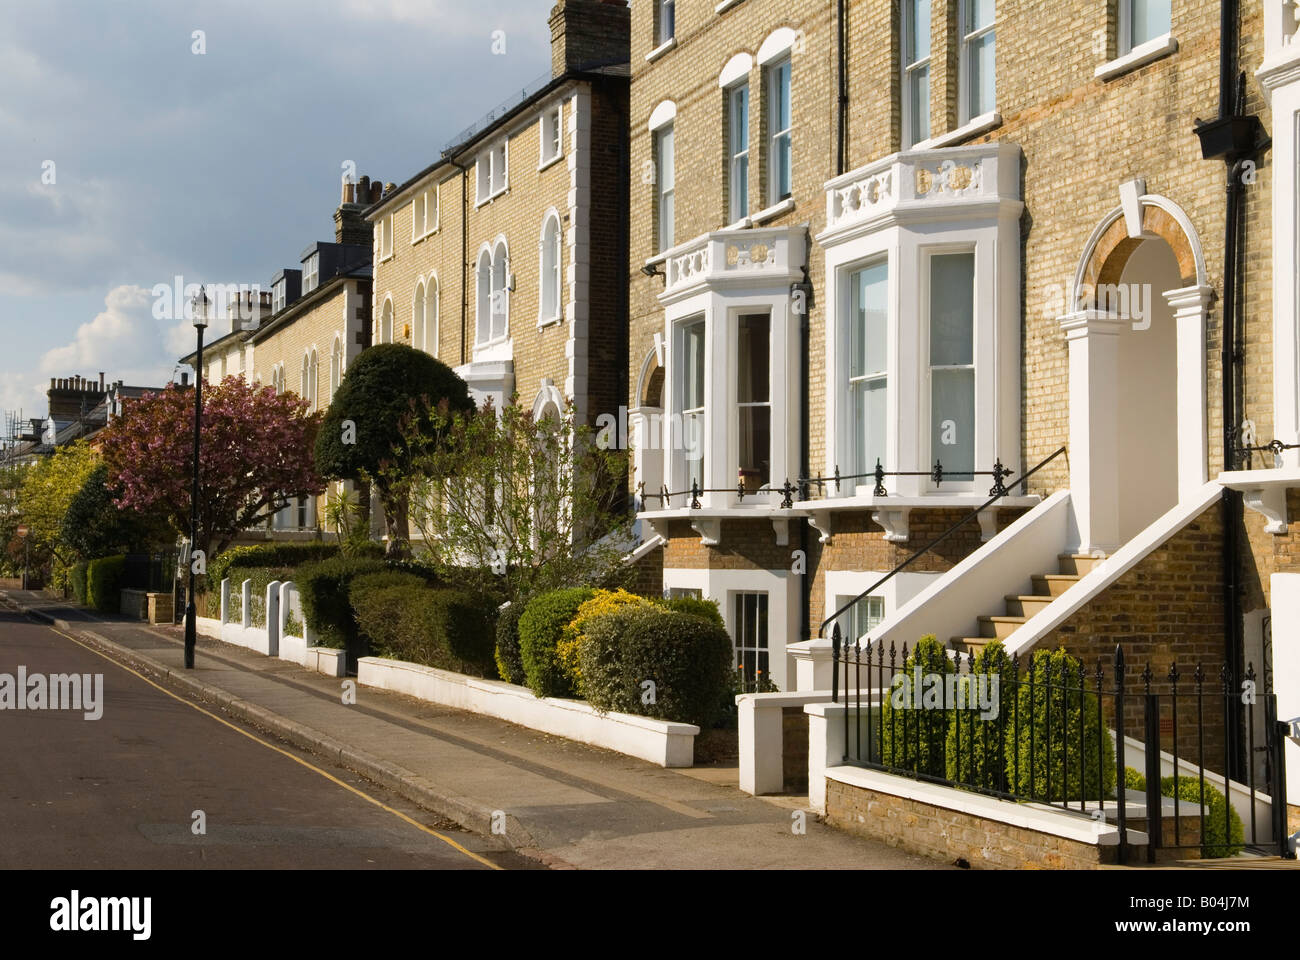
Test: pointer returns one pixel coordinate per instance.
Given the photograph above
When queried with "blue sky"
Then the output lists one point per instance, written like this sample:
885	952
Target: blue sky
220	167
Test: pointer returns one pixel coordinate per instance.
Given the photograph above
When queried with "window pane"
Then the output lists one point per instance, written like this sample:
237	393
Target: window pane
740	119
666	179
979	13
1151	19
952	305
952	415
781	97
869	423
752	353
918	46
982	75
782	166
870	287
918	82
756	443
693	366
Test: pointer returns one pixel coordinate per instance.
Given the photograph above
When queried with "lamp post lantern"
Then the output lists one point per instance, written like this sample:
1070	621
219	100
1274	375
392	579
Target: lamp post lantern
200	319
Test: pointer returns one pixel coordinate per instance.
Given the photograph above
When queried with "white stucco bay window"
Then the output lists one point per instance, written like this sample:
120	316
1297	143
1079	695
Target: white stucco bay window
923	278
730	401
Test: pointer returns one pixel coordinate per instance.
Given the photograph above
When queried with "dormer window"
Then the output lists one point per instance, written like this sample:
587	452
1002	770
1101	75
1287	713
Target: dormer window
492	172
311	273
278	292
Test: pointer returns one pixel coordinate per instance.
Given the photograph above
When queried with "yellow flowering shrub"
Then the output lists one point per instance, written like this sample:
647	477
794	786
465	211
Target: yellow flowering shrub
569	646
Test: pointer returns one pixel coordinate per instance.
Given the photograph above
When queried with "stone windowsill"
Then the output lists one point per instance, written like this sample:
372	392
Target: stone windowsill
660	50
1139	56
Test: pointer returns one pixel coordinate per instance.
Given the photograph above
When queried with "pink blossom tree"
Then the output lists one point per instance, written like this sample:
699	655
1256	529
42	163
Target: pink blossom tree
256	453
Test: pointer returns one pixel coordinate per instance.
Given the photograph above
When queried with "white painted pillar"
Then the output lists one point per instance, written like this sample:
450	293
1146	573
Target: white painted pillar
1093	341
760	742
812	664
1285	594
825	748
1189	305
287	591
246	603
225	601
273	618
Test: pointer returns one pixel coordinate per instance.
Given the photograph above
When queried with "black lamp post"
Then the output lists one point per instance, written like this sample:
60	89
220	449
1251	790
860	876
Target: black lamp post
200	319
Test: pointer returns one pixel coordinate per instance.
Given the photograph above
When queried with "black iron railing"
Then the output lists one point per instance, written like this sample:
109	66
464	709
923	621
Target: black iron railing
801	489
1042	731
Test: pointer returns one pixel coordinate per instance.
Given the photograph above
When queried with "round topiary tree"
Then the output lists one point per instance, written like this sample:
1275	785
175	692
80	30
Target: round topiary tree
365	437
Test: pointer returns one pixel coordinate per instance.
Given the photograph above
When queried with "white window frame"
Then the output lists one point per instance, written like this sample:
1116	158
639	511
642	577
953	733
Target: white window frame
966	111
279	293
734	402
385	237
862	618
771	84
678	445
429	333
1124	37
496	258
492	172
336	366
762	646
386	323
852	438
552	273
737	153
424	221
665	219
907	39
311	273
418	300
925	262
550	135
665	21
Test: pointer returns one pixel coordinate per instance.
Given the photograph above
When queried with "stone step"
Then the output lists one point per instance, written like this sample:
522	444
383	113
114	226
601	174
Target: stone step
1027	607
1078	564
971	645
999	627
1053	584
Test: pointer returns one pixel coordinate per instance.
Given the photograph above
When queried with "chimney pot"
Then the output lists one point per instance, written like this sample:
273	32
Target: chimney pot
101	381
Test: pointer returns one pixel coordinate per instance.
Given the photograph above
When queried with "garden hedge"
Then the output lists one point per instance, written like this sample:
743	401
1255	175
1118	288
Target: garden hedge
78	580
568	650
261	577
104	583
1215	843
510	664
323	589
974	748
541	628
656	663
267	555
697	607
914	739
411	621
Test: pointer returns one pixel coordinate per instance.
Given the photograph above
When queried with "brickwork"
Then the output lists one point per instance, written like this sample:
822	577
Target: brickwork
947	835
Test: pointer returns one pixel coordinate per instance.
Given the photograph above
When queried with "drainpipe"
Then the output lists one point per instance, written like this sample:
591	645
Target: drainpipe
842	116
1236	137
805	580
464	253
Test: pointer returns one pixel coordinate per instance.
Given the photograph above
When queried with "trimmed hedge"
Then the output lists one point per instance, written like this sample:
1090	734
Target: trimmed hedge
656	663
323	589
267	555
510	664
78	578
568	651
974	748
912	738
1215	843
696	607
448	629
541	628
104	583
1035	704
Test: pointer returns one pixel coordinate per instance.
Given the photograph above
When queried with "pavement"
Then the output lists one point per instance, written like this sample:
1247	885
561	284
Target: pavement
556	802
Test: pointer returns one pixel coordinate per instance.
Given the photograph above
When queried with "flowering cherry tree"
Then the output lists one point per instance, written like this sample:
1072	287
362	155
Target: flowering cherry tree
256	453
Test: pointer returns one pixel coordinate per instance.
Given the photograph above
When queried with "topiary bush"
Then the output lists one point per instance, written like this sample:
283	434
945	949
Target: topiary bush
696	607
78	580
974	747
913	738
1038	770
510	664
658	663
104	583
323	590
1216	842
541	628
448	629
568	649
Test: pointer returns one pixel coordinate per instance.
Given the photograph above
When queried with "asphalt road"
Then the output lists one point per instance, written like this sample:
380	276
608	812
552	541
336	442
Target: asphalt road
123	790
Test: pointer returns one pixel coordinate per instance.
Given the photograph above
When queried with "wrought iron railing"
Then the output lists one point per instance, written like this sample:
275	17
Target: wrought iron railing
1042	732
803	486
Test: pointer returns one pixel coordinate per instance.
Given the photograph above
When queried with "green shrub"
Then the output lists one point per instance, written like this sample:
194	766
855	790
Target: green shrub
696	607
363	597
266	555
541	628
913	738
510	665
1069	713
78	578
974	746
448	629
1215	842
568	650
323	590
104	583
686	658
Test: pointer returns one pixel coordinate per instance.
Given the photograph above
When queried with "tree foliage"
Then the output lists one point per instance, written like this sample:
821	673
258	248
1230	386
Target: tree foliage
48	489
256	454
387	401
94	526
513	505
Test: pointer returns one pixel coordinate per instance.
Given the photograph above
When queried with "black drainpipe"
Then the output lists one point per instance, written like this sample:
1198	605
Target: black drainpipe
841	127
464	253
1236	137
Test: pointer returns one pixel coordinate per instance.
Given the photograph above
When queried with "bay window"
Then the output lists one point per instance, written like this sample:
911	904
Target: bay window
691	340
868	367
753	400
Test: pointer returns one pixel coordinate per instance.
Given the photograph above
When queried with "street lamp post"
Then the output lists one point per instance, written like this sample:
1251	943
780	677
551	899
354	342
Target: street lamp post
191	613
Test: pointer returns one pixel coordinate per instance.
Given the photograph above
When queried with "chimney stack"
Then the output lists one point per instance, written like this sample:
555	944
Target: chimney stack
349	225
589	33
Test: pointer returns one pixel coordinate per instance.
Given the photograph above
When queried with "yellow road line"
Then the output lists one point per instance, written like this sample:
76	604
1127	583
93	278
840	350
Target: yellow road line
270	746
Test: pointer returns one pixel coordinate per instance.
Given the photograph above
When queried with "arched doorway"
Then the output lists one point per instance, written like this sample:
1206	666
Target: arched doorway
1137	367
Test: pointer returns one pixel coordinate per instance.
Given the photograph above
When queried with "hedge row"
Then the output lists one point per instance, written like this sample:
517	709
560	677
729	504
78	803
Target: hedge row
261	578
78	580
268	555
104	583
404	618
323	589
1217	842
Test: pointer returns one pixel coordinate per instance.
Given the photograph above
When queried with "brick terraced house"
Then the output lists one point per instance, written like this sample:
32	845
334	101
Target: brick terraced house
881	252
505	257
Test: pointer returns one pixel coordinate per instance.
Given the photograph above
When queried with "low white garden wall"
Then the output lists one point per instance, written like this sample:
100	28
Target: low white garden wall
662	742
272	640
